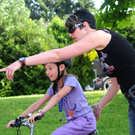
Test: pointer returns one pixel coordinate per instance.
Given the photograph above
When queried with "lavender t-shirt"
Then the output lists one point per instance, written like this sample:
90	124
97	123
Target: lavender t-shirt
74	103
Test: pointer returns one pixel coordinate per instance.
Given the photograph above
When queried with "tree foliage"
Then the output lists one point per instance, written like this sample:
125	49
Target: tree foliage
116	13
82	66
129	32
85	4
119	16
50	8
57	28
20	36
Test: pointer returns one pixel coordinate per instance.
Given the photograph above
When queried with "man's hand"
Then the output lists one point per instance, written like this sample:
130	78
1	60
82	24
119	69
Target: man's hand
11	69
96	111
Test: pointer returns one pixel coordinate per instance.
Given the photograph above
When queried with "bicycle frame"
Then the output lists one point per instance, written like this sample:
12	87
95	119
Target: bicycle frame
30	126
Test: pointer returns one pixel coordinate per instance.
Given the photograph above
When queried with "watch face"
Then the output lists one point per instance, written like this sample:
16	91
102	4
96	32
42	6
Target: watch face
22	59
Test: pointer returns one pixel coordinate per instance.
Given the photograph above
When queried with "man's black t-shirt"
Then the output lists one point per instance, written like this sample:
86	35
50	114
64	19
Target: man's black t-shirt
118	60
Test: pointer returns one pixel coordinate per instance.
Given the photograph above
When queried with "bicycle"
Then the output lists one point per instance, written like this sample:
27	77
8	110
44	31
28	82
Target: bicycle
24	122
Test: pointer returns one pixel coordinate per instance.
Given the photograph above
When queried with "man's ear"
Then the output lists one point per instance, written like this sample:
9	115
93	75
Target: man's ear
86	25
62	67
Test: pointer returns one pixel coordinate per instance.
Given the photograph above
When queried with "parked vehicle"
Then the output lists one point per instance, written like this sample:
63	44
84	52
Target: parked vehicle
102	81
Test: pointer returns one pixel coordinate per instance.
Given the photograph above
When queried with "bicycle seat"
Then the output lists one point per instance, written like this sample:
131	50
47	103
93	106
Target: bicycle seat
94	132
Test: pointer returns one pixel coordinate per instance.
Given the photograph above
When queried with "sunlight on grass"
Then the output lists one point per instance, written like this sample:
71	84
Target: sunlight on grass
113	120
24	96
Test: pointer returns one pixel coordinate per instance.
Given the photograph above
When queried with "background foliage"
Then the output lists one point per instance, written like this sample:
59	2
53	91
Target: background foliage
116	13
22	34
119	16
48	9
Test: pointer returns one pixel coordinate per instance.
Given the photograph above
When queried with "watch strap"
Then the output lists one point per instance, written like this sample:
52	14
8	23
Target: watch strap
22	61
42	113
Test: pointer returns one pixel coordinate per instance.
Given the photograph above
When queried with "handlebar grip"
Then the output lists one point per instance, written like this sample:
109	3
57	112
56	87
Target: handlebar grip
16	124
38	118
11	125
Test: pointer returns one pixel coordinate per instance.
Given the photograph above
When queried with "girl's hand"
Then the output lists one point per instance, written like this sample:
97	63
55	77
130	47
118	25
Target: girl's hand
11	69
11	122
31	118
96	111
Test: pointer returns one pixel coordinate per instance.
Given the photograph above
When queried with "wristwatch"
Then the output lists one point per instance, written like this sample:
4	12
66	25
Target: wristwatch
22	61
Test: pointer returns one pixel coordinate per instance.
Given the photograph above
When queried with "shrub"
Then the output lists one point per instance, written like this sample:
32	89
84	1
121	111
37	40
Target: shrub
20	36
82	66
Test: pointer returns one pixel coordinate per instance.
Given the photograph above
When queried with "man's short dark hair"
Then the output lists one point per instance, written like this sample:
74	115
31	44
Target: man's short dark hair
85	16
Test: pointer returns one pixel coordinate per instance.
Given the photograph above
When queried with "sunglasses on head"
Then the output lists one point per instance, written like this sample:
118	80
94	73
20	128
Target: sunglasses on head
73	28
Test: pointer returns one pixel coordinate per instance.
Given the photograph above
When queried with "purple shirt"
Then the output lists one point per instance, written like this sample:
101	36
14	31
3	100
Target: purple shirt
74	103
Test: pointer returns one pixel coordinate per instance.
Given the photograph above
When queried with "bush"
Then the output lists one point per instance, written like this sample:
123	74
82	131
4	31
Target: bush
82	66
20	36
61	35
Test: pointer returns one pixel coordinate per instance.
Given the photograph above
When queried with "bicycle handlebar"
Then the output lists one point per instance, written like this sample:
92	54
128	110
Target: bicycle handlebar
22	121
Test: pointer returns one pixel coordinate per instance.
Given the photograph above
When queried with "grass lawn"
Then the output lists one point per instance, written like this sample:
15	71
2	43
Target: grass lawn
113	121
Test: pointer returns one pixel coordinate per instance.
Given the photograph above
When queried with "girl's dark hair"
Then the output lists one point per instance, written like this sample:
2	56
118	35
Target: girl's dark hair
80	16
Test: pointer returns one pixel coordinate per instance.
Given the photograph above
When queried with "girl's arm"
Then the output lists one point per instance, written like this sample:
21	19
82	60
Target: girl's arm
53	101
56	98
35	106
113	89
97	39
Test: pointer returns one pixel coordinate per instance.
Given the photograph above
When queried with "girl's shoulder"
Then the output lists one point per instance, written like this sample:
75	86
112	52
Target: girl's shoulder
71	80
70	77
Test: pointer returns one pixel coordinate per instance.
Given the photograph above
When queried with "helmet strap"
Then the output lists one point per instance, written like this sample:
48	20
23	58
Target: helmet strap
58	78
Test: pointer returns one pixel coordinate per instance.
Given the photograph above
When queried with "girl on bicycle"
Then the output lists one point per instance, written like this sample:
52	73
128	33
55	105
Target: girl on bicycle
68	93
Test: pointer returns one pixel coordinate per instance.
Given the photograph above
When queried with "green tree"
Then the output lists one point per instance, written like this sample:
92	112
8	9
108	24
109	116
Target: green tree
34	6
57	28
119	16
86	4
129	32
116	13
82	66
50	8
20	36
